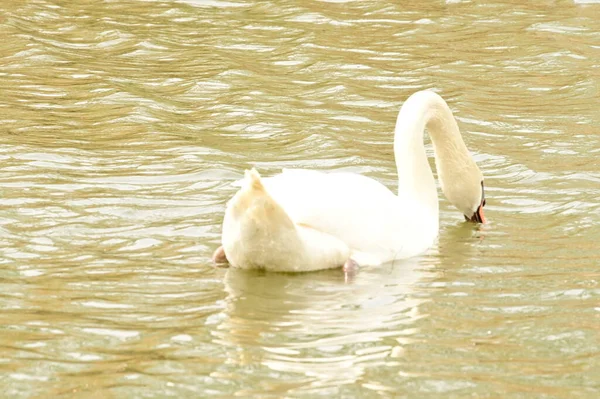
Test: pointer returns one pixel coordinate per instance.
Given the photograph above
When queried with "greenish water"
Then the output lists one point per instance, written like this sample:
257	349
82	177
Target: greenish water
123	123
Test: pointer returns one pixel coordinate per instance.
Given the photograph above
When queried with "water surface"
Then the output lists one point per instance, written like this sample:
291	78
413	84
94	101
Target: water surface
123	123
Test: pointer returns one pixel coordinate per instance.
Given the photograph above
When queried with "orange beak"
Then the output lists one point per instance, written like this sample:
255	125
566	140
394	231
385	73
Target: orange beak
478	216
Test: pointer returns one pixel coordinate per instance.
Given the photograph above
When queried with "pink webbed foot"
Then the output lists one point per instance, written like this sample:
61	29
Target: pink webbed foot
219	258
350	269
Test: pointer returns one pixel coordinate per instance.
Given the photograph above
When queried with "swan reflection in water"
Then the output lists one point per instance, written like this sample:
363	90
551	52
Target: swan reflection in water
312	330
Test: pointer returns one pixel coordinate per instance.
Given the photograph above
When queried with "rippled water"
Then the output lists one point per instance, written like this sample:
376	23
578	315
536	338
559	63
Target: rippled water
122	124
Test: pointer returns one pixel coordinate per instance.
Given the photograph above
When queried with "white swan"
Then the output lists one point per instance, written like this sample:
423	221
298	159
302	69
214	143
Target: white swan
302	220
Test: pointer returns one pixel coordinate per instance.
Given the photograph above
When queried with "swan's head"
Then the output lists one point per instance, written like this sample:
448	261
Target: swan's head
465	190
477	216
470	201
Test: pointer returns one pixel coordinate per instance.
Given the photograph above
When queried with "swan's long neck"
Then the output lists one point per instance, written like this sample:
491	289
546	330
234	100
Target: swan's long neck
426	110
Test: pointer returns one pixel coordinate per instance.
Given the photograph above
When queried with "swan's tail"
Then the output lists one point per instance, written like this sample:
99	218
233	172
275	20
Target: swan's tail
256	230
258	233
254	202
252	180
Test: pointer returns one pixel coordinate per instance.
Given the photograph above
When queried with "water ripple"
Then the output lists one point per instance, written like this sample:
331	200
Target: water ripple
124	123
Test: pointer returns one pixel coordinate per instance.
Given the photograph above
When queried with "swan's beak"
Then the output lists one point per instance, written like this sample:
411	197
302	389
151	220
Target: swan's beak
478	216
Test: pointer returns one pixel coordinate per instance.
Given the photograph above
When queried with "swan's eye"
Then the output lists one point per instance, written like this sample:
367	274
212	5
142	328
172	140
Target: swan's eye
482	194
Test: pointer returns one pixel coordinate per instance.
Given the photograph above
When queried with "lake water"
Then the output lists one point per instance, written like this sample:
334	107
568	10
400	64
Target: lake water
123	123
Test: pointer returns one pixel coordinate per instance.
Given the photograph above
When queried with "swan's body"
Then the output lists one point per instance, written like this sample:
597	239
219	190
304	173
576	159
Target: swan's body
302	220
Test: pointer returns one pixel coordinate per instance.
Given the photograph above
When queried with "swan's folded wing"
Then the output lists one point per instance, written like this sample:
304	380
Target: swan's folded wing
356	209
